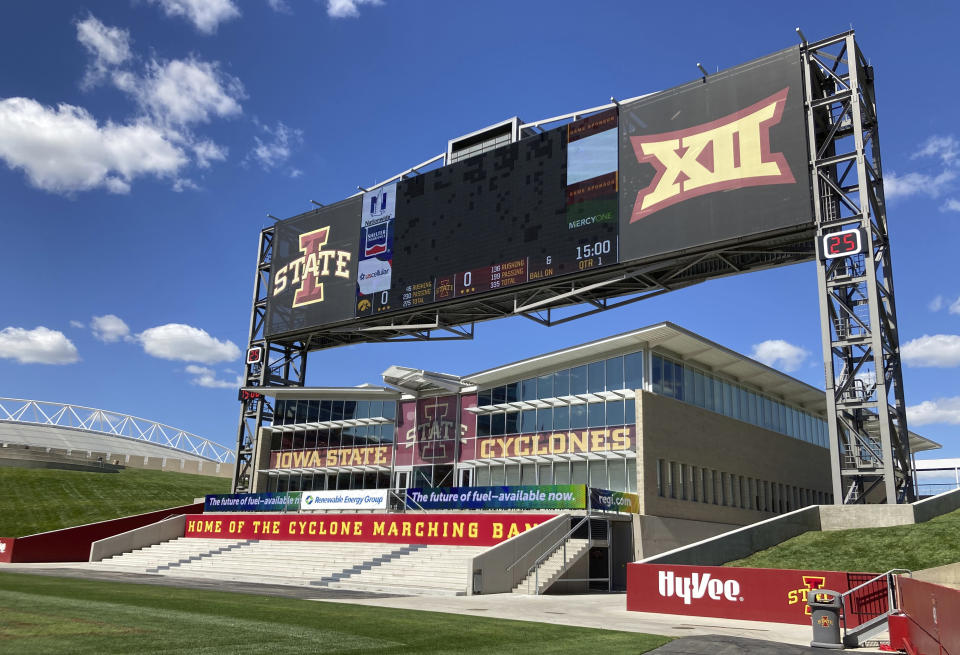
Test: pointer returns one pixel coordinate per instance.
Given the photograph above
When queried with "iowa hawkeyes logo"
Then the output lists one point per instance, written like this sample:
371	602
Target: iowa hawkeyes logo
363	305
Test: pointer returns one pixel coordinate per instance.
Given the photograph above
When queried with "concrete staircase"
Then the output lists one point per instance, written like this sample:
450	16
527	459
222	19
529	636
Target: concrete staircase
384	568
553	567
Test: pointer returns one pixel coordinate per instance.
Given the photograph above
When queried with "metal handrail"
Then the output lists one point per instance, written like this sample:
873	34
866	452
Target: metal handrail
549	553
890	596
529	550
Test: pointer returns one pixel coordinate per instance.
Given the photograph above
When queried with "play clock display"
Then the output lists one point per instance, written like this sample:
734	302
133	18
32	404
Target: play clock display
842	244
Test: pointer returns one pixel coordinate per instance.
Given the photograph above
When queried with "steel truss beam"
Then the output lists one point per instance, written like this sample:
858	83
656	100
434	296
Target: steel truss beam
869	447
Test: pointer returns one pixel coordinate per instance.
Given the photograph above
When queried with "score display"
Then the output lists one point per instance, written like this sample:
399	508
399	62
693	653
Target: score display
841	244
539	208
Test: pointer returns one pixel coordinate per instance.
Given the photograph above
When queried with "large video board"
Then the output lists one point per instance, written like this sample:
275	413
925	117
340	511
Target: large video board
716	160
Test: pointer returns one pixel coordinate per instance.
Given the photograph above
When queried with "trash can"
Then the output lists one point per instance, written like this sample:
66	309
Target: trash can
825	607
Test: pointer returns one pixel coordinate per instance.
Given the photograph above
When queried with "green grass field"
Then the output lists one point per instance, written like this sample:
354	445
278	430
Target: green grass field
40	614
872	550
37	500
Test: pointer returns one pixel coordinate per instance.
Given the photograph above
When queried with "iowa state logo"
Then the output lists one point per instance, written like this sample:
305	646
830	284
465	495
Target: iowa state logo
732	152
309	270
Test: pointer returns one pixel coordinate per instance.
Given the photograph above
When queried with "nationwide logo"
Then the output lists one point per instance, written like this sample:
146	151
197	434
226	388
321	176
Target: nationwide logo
308	270
697	586
376	241
732	152
810	582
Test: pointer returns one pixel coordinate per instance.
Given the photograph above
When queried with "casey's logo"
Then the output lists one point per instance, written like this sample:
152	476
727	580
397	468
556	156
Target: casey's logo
315	264
810	582
729	153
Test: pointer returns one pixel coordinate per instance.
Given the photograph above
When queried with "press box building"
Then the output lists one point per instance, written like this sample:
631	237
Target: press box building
708	438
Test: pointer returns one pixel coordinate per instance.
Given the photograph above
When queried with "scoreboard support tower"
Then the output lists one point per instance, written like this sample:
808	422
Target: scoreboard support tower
869	447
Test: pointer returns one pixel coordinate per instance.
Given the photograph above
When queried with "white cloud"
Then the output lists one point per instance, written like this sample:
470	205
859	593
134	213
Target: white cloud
182	184
954	307
185	343
77	324
64	149
37	346
943	147
205	15
348	8
938	350
109	328
280	6
184	91
207	377
207	151
911	184
109	46
278	148
295	173
951	205
774	351
941	410
936	304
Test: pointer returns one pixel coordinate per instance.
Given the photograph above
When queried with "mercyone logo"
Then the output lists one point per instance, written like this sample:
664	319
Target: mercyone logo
314	265
732	152
696	587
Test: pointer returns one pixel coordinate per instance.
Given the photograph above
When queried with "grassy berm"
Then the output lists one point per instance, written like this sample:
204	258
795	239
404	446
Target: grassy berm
37	500
39	614
871	550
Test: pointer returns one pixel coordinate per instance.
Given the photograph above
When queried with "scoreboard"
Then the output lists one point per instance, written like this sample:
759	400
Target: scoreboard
716	161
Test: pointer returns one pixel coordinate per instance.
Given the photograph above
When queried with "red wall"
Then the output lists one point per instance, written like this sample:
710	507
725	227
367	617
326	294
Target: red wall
775	595
73	544
933	617
451	529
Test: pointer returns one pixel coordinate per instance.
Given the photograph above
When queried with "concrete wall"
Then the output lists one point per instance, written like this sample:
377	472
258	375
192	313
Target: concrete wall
148	535
115	461
742	542
659	534
849	517
924	510
491	564
674	431
948	575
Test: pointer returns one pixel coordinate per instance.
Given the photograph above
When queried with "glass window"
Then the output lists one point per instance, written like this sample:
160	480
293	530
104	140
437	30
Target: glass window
633	371
596	415
632	475
578	380
657	381
617	472
545	474
561	383
497	423
678	385
629	412
528	474
667	373
513	392
615	412
325	410
279	407
498	395
311	441
483	425
708	392
496	475
699	394
528	389
598	474
349	410
579	473
512	423
614	373
389	410
346	438
484	398
561	473
482	474
688	385
336	410
561	418
717	395
513	474
545	386
387	432
363	409
528	420
578	416
727	399
596	377
544	419
302	411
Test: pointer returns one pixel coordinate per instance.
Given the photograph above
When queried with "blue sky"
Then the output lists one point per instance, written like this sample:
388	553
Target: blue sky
143	141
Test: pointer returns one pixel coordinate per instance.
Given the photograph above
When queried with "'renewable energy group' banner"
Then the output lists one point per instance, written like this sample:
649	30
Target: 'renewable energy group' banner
318	501
449	529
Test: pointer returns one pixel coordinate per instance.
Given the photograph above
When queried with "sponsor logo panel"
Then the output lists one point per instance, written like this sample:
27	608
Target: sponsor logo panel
355	499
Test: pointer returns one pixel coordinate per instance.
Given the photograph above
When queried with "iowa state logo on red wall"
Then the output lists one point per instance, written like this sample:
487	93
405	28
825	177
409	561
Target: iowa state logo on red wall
732	152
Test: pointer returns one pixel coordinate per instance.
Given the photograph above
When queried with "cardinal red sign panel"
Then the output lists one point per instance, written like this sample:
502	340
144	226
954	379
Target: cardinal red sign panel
715	160
774	595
